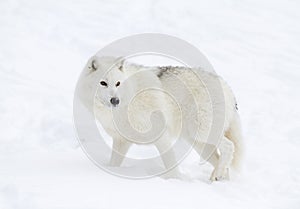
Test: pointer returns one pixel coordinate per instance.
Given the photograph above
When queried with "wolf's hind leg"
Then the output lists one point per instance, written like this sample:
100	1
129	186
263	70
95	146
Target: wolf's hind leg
120	149
208	152
226	149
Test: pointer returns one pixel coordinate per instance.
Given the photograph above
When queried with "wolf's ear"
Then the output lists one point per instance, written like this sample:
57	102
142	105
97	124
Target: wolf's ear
121	63
94	64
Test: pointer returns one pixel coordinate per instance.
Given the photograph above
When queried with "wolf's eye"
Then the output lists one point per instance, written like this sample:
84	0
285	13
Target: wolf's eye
103	83
118	84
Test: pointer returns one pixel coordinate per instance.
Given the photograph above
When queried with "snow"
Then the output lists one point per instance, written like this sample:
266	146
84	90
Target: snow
254	45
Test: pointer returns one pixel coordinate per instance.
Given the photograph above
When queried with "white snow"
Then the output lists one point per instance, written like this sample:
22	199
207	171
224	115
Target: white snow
44	45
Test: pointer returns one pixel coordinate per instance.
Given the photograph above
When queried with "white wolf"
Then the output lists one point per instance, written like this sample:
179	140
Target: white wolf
118	87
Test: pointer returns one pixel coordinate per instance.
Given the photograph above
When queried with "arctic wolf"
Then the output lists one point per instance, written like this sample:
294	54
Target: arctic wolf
127	94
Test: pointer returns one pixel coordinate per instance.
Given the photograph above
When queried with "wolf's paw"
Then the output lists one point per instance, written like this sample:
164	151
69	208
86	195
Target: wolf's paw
220	174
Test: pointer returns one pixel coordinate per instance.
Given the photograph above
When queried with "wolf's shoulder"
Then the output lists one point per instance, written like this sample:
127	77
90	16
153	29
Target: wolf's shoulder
163	72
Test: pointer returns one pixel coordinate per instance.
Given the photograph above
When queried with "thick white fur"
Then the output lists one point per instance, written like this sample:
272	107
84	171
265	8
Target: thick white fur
227	152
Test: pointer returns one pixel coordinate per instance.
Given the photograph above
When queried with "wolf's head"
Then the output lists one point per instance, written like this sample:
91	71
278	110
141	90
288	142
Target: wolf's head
103	77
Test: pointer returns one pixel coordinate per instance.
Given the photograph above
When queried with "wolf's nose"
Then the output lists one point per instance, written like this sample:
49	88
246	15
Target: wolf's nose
114	101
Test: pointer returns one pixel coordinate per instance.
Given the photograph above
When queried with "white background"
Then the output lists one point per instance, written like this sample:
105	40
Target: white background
44	45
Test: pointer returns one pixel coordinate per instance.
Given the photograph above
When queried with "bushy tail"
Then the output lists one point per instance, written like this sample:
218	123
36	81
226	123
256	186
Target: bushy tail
234	134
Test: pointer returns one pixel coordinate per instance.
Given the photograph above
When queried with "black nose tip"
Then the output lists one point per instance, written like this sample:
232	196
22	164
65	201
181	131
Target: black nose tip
114	101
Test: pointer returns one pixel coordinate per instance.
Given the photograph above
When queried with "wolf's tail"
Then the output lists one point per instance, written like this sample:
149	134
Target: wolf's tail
234	134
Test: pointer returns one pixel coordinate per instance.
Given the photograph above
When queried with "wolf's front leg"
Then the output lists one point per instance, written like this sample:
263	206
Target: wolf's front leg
168	157
120	149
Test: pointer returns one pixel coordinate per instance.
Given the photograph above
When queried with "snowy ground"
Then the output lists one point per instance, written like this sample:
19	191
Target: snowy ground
44	45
